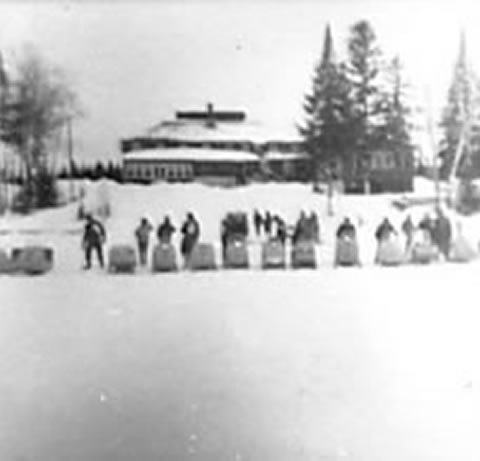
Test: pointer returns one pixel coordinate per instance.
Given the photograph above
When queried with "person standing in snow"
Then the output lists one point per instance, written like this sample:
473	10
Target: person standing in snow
257	222
165	230
267	223
190	235
142	235
384	230
224	234
94	236
408	228
301	231
427	226
281	234
346	229
442	233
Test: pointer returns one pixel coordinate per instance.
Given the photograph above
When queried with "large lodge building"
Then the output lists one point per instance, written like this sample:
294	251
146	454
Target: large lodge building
224	148
215	147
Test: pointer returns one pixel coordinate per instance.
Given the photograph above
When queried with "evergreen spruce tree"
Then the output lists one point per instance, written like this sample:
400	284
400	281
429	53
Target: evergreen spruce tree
99	170
364	65
394	132
462	109
110	170
327	112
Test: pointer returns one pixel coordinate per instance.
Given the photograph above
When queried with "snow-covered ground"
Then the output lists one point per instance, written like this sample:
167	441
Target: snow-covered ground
361	364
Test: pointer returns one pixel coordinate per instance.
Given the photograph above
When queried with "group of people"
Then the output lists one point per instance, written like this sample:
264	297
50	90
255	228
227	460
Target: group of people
436	230
273	226
94	237
190	231
306	228
270	225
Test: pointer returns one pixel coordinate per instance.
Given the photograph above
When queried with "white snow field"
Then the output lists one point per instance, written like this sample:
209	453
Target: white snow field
328	364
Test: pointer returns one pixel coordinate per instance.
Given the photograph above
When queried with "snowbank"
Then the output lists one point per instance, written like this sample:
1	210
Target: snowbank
128	203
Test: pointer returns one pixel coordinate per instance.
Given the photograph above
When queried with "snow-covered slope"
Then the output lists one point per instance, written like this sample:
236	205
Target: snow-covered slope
361	364
60	227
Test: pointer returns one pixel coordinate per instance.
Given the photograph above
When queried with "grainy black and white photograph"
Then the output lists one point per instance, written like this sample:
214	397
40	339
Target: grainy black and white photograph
239	230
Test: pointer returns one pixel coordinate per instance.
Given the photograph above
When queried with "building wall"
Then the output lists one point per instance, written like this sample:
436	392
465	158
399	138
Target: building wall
392	172
185	171
158	171
290	170
393	180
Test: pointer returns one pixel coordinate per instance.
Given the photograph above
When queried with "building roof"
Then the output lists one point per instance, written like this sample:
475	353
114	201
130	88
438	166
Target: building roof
191	155
244	131
210	114
272	156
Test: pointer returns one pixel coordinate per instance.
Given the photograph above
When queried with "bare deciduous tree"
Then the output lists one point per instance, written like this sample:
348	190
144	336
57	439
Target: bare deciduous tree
38	102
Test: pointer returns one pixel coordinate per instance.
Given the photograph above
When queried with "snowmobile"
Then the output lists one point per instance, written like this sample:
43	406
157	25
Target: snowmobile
389	252
303	255
202	257
461	250
346	251
236	255
5	262
422	250
32	260
234	234
164	258
122	259
273	255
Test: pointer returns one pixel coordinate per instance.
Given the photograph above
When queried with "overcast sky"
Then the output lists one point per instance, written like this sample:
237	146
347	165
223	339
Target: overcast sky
134	63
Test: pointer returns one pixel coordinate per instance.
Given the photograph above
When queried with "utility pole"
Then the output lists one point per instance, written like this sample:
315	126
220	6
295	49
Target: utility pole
436	167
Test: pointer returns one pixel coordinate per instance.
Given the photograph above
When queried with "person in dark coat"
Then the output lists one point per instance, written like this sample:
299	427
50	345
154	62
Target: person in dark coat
301	231
257	222
427	226
267	223
384	230
94	236
442	233
142	235
408	227
315	226
346	229
165	230
190	235
281	229
346	248
224	235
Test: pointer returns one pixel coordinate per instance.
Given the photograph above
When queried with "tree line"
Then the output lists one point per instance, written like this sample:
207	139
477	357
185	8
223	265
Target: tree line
360	104
36	102
98	170
460	122
356	106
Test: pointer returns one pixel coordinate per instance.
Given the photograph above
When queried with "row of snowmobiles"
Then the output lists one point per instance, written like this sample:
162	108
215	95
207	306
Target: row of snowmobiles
123	258
302	254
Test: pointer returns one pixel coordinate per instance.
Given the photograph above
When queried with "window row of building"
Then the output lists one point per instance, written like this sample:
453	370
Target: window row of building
389	161
185	171
165	172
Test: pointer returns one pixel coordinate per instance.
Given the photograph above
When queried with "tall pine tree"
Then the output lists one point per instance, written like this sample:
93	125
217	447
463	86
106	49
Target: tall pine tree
364	65
394	132
460	113
327	112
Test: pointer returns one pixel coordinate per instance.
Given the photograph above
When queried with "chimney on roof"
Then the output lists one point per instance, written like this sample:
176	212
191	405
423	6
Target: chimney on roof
210	122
